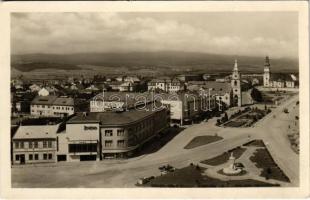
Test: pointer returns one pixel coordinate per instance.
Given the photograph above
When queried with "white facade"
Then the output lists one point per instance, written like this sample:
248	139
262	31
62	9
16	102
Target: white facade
43	92
236	86
79	134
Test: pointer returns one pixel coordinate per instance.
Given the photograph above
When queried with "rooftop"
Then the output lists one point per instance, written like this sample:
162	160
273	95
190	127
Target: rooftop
37	132
52	100
111	118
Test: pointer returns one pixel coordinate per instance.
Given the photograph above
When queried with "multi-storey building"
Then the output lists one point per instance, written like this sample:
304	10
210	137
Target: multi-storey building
272	80
166	84
52	106
101	135
34	144
108	101
186	107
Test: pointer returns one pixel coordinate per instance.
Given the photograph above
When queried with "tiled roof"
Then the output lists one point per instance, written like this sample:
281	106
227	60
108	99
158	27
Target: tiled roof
52	100
30	132
64	101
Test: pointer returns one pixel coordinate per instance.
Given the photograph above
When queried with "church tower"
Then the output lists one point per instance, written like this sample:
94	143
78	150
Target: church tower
267	72
236	86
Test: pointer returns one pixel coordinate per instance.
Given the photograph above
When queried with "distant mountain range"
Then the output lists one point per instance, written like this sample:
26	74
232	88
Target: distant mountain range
169	60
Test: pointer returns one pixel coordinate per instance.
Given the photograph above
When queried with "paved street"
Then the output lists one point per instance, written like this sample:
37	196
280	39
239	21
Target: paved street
125	173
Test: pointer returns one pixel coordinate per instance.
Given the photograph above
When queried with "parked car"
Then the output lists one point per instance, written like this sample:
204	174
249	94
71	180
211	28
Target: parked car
164	169
144	180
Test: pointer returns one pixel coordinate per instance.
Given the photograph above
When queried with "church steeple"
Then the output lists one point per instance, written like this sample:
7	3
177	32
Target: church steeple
236	65
267	64
236	85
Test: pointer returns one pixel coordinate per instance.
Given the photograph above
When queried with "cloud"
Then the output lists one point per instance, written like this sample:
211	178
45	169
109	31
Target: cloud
113	32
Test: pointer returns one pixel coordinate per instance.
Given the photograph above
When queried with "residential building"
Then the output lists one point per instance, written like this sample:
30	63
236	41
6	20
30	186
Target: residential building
108	101
34	144
166	84
52	106
43	92
186	107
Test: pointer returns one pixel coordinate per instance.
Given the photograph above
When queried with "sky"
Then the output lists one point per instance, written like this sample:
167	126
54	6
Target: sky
234	33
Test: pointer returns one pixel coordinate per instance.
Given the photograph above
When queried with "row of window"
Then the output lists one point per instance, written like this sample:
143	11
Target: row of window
120	143
31	145
54	107
109	133
34	156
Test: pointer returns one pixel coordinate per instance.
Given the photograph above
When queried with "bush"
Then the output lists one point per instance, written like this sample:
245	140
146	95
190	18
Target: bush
285	110
256	95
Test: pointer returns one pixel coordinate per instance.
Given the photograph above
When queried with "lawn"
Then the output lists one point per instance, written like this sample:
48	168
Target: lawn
202	140
235	123
223	158
191	176
271	170
255	143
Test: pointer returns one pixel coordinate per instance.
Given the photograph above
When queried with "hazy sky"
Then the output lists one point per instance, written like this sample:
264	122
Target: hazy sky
237	33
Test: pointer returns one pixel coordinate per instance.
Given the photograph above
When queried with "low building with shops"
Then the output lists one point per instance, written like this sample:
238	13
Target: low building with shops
186	107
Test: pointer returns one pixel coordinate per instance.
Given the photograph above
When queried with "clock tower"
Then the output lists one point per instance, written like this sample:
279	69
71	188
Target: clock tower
236	86
267	72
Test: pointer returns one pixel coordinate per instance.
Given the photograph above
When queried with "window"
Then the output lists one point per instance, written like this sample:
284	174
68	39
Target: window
36	156
43	106
120	132
50	156
17	157
16	145
44	144
21	145
36	144
71	108
235	83
90	147
121	143
108	143
108	132
45	156
49	144
30	157
30	145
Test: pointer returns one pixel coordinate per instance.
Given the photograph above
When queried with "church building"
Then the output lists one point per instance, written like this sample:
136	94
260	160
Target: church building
272	80
236	86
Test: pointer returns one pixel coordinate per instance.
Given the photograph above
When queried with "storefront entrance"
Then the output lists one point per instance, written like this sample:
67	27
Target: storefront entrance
88	157
22	159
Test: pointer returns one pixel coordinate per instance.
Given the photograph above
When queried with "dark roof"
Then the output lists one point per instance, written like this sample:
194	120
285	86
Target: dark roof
129	99
44	100
64	101
111	118
53	100
282	77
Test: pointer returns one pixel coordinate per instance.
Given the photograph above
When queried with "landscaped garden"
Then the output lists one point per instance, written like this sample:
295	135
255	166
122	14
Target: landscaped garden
245	117
202	140
223	158
270	170
192	176
255	143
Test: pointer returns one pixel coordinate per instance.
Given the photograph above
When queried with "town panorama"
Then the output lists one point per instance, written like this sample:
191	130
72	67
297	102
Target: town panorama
110	100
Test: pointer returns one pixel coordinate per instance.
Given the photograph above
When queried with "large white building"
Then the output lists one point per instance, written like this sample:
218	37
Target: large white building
271	80
52	106
166	84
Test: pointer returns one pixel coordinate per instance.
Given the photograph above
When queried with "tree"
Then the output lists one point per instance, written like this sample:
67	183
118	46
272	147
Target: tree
256	95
